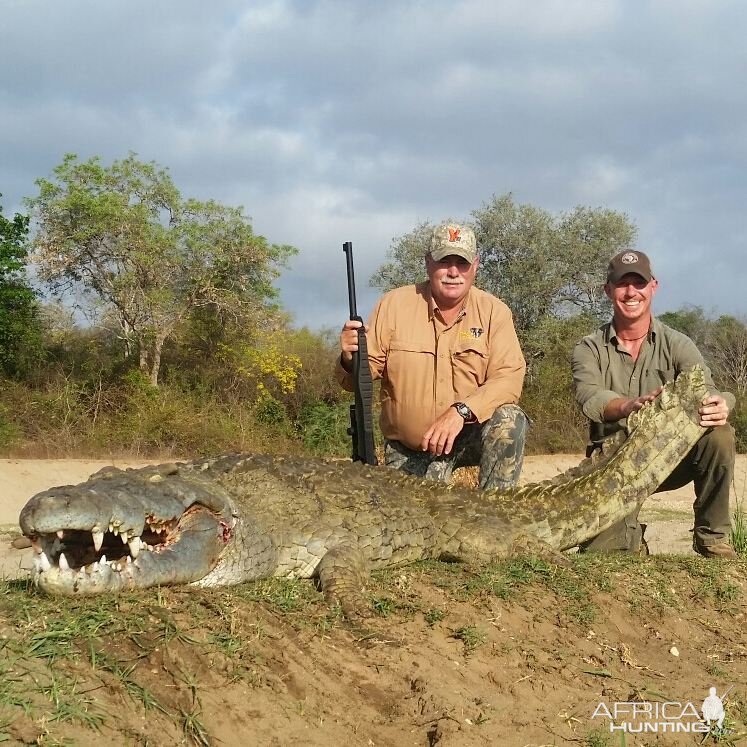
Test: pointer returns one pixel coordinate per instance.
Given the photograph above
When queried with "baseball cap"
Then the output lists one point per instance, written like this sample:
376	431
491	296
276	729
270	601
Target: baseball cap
628	261
452	238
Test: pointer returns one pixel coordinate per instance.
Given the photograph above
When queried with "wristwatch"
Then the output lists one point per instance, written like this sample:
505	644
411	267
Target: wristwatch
463	410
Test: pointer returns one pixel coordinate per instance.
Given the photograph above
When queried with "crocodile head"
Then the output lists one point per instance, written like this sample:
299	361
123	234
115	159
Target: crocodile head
127	529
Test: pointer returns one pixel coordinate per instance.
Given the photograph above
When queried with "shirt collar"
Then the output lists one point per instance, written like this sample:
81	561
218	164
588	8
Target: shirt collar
653	330
432	304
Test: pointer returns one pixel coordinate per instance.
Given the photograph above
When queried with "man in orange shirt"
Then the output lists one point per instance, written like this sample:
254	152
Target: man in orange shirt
451	370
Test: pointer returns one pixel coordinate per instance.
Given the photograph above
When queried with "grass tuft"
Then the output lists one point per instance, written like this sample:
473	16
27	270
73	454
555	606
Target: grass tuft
471	636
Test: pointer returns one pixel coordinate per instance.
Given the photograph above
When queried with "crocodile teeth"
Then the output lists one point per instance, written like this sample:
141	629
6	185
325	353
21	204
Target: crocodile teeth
103	560
134	545
63	562
60	533
98	540
125	537
44	561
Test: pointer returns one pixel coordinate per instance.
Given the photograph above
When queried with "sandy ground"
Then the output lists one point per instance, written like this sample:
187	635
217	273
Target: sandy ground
668	515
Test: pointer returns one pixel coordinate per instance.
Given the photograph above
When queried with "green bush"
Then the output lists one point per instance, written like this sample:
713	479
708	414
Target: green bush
738	419
324	427
558	426
9	432
271	412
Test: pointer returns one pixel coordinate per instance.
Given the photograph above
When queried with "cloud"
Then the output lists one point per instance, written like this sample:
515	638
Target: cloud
333	121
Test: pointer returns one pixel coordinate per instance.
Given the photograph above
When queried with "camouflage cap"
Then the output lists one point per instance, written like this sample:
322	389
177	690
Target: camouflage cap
628	261
451	238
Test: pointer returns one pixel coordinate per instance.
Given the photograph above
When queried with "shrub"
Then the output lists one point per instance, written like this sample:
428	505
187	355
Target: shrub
738	419
9	432
323	428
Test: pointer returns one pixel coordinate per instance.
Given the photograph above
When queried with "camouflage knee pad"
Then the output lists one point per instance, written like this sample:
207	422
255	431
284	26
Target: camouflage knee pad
502	445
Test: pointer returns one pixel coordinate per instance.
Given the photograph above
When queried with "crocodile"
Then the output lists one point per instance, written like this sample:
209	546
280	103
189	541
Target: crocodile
232	518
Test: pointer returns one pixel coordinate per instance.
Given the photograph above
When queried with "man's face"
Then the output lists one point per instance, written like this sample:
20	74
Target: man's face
450	278
631	296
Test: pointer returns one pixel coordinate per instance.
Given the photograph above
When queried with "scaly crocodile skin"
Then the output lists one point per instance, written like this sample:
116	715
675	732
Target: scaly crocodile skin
233	518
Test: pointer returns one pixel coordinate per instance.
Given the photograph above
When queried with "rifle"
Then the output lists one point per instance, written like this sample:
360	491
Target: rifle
361	416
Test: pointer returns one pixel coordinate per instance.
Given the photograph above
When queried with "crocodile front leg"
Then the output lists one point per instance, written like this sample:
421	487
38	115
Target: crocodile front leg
343	572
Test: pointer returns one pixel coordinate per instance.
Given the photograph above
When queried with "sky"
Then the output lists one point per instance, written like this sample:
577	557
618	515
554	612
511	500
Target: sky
355	121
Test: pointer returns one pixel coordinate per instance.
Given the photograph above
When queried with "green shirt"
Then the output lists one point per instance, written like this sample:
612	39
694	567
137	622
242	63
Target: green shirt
603	370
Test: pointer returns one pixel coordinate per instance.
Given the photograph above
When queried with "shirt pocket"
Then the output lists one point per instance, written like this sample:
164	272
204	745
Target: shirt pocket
409	367
470	360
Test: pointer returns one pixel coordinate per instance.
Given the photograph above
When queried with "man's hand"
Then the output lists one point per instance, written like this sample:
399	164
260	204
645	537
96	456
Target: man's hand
349	342
714	411
633	405
620	408
439	438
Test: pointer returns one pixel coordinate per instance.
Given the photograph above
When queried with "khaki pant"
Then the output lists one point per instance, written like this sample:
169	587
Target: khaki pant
709	465
496	445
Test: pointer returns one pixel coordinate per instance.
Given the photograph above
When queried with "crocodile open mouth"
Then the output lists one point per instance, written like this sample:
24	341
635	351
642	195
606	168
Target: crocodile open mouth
90	552
126	530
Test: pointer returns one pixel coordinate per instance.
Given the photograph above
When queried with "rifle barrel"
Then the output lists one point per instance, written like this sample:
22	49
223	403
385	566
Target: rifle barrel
347	247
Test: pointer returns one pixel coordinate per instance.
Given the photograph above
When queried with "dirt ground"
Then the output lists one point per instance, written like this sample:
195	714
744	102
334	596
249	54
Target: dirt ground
523	654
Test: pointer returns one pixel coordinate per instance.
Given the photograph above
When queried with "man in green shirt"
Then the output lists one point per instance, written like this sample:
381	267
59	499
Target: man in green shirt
623	365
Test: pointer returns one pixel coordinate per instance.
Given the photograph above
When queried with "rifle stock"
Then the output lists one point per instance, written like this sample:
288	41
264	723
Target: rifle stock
361	413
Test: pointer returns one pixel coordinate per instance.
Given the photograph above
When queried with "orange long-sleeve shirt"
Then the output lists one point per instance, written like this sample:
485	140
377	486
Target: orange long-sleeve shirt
426	365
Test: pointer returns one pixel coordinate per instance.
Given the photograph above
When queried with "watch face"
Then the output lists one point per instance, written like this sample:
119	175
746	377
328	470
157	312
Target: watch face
463	410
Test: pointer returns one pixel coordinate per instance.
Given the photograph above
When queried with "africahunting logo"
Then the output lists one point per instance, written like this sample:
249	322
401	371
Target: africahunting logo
669	717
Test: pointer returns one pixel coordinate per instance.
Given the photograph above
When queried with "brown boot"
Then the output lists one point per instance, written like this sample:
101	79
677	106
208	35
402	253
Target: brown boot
721	550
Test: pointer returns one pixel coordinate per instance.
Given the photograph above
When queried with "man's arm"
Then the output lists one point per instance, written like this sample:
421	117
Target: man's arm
597	402
589	388
620	408
717	405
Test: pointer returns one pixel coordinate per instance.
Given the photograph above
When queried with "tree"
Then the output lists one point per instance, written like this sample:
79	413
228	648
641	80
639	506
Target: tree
406	259
127	236
727	351
19	324
723	343
691	321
